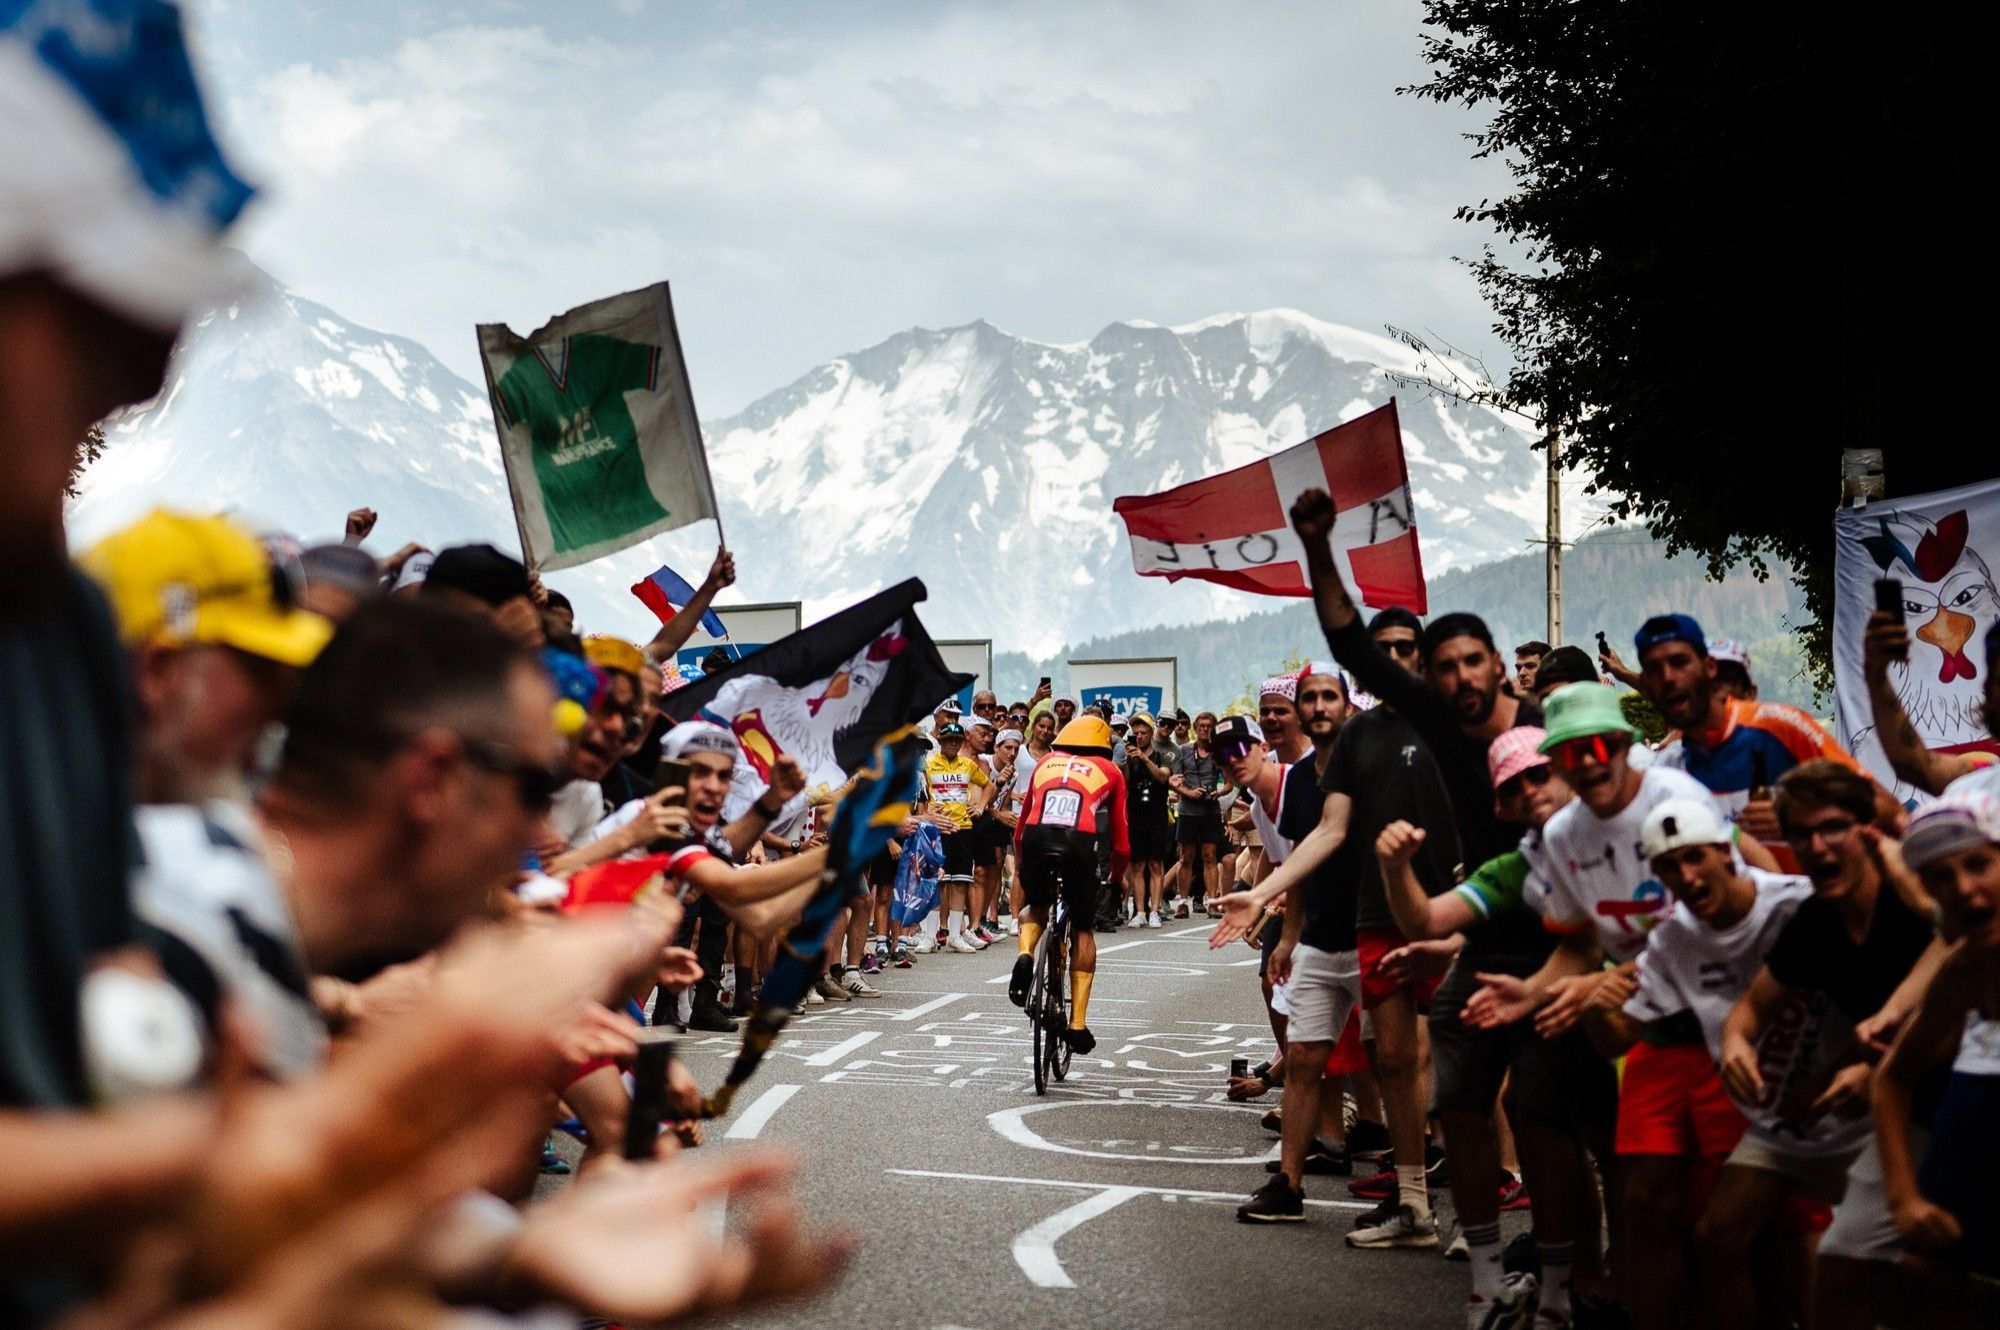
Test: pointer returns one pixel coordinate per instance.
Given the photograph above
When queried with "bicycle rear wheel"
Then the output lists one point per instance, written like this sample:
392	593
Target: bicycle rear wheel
1038	988
1055	1011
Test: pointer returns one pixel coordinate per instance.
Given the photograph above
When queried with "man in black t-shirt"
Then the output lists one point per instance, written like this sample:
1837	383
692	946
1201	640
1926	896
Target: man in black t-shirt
1315	953
1458	707
1855	941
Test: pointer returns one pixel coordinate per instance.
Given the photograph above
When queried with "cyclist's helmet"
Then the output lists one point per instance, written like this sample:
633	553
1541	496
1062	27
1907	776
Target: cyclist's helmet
1087	735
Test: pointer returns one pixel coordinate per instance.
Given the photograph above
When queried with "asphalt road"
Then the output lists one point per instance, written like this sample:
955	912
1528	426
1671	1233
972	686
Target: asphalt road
1110	1202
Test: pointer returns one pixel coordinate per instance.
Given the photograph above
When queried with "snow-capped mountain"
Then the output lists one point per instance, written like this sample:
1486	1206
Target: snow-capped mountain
982	461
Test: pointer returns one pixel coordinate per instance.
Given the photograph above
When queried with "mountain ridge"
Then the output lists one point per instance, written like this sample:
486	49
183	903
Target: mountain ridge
982	460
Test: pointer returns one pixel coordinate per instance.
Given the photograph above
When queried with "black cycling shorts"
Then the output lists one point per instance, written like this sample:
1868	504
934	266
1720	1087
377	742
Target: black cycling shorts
1057	859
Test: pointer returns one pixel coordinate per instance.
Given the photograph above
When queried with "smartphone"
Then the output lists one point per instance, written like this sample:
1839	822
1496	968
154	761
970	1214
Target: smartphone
672	771
649	1093
1042	683
1889	596
1603	647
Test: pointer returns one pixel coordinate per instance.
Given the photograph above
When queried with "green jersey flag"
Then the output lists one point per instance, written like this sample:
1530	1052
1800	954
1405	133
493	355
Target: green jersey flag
597	428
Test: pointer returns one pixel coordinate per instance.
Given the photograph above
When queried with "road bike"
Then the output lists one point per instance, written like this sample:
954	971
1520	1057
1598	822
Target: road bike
1048	995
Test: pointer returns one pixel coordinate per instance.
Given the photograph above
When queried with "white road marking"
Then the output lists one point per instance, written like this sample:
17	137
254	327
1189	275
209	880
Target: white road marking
1125	946
1182	1193
1035	1248
760	1112
930	1006
827	1057
1011	1123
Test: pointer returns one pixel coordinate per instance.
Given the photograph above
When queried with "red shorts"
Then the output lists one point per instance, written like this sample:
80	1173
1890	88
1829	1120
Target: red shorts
1377	987
1671	1102
1348	1056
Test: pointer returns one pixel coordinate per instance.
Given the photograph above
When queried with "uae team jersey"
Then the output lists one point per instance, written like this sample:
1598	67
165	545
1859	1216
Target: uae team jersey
951	782
1689	967
586	447
1595	875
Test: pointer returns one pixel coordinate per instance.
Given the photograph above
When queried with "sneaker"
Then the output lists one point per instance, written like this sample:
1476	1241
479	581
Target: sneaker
871	964
1404	1228
1322	1160
902	961
1153	919
1513	1193
1271	1122
813	999
1013	926
1181	908
986	933
961	944
711	1018
1080	1040
1017	983
925	946
1597	1314
1385	1210
1374	1187
1437	1169
1514	1309
1460	1249
856	986
1367	1140
1273	1203
829	988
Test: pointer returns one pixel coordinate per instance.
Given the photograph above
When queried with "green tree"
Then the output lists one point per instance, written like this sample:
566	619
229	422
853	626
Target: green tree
1730	228
87	453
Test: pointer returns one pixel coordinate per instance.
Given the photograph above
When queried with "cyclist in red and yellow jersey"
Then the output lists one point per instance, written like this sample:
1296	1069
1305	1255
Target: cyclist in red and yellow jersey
1071	834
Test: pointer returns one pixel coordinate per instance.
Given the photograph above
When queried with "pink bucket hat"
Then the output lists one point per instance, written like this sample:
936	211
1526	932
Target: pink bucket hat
1513	753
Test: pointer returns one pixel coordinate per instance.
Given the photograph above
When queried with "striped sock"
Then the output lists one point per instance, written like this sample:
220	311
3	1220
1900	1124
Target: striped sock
1484	1242
1556	1260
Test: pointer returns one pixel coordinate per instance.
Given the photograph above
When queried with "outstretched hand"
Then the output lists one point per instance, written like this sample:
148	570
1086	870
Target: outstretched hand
1239	914
633	1241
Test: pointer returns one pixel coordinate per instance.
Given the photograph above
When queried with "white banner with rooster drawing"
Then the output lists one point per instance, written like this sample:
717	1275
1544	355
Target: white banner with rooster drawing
1942	547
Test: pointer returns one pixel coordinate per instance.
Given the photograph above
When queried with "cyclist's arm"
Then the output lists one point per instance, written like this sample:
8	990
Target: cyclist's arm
1121	831
1319	843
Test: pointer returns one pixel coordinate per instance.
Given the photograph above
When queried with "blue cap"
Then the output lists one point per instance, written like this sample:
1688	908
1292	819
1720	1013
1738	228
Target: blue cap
1670	628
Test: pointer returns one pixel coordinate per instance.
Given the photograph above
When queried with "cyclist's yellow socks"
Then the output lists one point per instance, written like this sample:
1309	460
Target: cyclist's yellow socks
1030	933
1079	983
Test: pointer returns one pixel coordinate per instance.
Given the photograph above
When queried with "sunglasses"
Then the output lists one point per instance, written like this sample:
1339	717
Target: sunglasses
1400	648
534	785
1233	752
1601	748
1533	778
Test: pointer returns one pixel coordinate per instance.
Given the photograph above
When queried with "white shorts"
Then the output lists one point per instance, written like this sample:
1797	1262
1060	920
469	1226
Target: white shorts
1323	991
1863	1229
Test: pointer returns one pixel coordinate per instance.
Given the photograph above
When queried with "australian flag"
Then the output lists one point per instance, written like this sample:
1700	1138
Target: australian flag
827	693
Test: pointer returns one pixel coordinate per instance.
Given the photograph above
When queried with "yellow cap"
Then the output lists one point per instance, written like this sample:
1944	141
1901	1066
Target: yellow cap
1086	734
614	653
182	580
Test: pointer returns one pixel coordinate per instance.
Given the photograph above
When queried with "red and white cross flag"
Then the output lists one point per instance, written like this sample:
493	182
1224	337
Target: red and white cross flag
1236	528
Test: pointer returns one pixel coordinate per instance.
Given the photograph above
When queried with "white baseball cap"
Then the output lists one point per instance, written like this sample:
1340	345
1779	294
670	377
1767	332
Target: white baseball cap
1681	822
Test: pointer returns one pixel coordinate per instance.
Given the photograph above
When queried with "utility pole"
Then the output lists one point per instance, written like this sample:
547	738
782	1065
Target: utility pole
1554	541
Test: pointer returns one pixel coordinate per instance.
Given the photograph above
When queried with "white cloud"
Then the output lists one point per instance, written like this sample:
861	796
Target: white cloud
810	187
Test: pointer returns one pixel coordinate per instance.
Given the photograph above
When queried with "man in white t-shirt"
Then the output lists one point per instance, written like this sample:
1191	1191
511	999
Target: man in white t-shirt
1700	959
1596	887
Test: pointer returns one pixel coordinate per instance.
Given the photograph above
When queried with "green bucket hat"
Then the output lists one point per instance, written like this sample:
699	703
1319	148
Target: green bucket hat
1579	710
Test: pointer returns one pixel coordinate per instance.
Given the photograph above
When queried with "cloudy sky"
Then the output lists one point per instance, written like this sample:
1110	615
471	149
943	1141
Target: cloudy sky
813	175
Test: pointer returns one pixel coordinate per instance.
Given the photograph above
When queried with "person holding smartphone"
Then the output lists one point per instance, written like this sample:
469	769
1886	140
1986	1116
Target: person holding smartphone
1198	780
